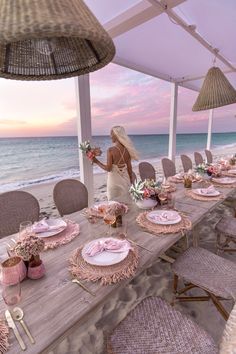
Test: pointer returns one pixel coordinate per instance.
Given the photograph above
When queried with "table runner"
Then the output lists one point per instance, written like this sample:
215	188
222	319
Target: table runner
4	335
156	229
195	196
106	274
72	230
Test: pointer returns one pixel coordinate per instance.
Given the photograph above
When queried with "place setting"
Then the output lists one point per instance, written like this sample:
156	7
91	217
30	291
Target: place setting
163	221
226	182
204	194
106	259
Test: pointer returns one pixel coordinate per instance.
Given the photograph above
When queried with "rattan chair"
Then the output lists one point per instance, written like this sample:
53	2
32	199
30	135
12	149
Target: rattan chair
207	271
198	158
186	162
155	327
70	196
16	207
228	342
226	233
209	156
146	171
168	167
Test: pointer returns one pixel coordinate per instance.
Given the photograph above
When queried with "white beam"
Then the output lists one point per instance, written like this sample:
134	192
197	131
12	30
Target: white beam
173	121
209	129
84	131
135	16
184	79
191	30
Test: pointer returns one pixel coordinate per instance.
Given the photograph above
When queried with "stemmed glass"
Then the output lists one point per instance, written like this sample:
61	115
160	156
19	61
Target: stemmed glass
109	219
25	229
11	291
162	196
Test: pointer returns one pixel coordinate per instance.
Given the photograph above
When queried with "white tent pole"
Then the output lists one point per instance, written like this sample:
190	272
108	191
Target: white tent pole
209	130
84	131
173	121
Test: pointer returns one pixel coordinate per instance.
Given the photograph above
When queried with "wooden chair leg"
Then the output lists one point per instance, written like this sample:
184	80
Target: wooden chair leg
219	306
175	283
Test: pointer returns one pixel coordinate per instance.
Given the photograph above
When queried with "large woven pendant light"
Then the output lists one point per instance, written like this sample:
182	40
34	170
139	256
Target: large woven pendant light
216	91
51	39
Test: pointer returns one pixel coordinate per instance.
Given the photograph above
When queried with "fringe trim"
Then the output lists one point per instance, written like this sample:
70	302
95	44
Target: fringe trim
65	237
4	335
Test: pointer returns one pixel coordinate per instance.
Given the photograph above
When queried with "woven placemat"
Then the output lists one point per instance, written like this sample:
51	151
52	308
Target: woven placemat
195	196
125	269
231	185
4	335
156	229
72	230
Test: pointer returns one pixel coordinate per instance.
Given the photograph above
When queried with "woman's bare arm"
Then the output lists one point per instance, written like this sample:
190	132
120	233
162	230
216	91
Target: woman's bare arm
108	166
129	169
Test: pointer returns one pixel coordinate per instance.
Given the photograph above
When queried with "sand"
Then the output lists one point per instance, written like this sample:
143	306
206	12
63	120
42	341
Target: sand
157	280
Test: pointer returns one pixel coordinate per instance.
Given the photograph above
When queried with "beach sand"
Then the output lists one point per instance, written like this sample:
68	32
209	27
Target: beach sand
157	280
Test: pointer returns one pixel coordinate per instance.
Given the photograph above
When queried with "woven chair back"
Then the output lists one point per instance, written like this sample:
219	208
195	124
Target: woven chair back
168	167
70	196
228	341
16	207
198	158
146	171
186	162
209	156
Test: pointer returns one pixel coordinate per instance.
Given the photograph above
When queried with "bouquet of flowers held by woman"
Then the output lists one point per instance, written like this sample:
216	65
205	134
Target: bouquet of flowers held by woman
89	151
145	189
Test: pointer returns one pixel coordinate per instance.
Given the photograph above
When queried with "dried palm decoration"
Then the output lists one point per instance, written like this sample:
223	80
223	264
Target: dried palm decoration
51	39
216	91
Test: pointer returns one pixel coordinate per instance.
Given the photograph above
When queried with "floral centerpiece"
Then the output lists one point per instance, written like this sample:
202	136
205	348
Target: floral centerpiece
117	210
89	151
145	193
201	168
214	171
29	249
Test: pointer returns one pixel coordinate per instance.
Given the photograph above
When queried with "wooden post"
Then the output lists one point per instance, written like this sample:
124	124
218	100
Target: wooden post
173	121
84	131
209	130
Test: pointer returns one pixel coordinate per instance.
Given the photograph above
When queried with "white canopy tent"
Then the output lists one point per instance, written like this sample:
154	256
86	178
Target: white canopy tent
173	40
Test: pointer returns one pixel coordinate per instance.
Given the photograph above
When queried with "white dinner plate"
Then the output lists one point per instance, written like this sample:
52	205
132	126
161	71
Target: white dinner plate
232	172
173	216
104	258
199	192
224	180
58	223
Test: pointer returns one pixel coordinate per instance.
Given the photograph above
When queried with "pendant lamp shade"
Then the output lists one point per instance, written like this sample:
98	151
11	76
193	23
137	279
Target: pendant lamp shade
51	39
216	91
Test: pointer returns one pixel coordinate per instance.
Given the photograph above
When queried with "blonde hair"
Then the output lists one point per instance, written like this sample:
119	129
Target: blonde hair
123	138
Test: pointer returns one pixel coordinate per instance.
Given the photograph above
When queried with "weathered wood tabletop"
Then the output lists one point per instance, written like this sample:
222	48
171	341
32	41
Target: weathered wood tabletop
54	306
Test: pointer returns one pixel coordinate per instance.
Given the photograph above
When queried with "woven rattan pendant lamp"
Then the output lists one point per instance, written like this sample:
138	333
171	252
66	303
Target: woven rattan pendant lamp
216	91
51	39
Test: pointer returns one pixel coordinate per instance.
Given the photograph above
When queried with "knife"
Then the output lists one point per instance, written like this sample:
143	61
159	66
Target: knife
12	325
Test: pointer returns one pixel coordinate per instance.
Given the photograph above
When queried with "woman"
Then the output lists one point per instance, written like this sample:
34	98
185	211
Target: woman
119	166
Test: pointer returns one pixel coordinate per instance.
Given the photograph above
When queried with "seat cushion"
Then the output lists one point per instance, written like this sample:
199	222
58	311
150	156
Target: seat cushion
154	327
208	271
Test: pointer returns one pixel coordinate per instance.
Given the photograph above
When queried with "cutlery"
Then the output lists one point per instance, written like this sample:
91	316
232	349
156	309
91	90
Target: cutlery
82	286
12	325
18	315
137	244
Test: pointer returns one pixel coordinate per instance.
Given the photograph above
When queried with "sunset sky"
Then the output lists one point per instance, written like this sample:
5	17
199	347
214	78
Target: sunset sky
118	96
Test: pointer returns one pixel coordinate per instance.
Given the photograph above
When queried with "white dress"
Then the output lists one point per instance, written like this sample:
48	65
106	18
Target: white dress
118	182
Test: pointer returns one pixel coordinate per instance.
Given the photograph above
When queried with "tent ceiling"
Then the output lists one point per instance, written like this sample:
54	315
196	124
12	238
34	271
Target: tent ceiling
153	44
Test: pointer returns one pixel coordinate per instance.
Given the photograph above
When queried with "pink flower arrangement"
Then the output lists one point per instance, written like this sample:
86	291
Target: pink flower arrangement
214	171
117	209
90	152
29	249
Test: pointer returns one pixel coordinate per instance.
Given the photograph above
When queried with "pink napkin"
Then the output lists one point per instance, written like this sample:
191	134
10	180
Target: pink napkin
209	190
164	216
110	245
42	226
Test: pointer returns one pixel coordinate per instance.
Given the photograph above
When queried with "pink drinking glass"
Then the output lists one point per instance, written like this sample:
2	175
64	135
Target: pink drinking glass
11	293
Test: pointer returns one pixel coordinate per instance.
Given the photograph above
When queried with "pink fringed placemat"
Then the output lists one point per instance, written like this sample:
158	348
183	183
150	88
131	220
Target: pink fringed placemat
195	196
4	335
112	274
72	230
224	185
156	229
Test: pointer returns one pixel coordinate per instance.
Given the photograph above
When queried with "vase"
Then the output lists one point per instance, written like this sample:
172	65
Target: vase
13	270
36	271
118	221
146	203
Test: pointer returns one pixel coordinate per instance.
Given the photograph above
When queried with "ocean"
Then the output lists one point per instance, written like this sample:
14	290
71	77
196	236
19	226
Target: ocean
30	161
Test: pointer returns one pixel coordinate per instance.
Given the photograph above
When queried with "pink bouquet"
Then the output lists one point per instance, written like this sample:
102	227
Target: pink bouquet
90	152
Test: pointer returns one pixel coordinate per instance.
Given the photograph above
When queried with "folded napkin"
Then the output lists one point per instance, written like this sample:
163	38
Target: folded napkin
178	176
164	216
42	226
209	190
110	245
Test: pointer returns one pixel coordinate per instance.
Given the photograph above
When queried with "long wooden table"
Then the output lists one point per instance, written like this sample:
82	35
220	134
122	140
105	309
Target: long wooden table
55	307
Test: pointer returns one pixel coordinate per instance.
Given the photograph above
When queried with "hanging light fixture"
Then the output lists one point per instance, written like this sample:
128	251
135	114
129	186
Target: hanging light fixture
216	91
51	39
